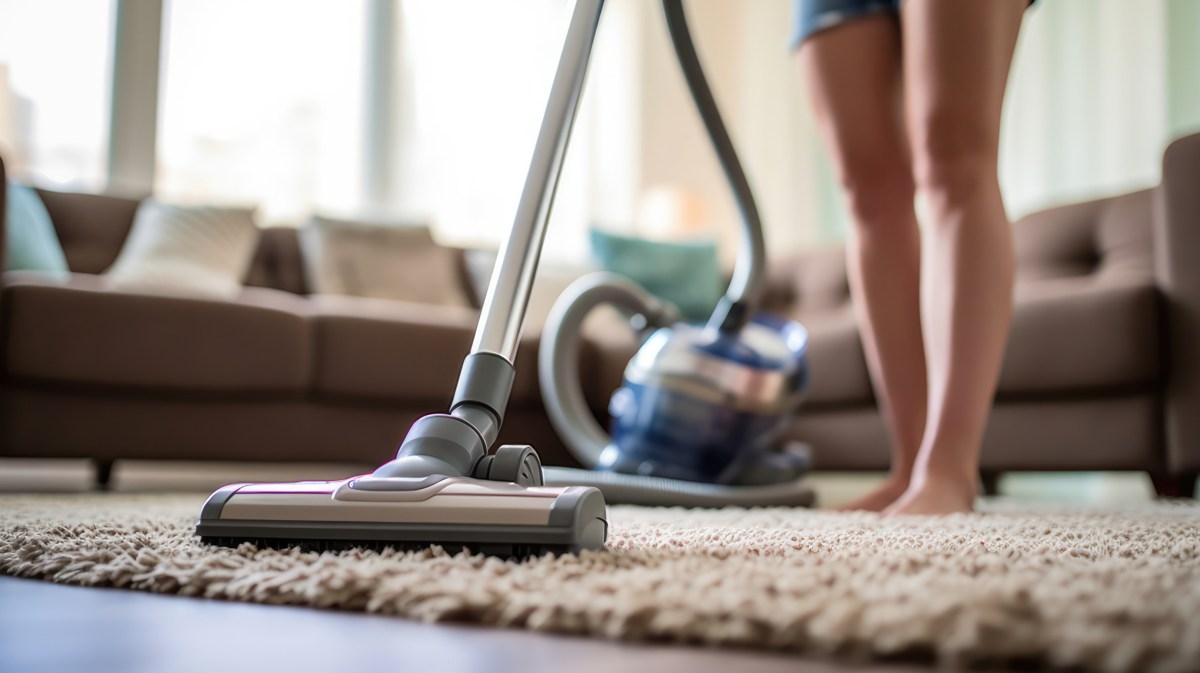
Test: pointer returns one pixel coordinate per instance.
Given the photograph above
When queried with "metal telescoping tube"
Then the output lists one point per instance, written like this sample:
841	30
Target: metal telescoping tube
508	293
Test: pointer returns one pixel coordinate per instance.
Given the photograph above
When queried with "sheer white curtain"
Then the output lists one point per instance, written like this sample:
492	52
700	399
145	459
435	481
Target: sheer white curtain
1097	91
1098	88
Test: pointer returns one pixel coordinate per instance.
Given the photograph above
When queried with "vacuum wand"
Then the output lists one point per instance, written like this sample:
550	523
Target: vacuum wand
508	293
458	442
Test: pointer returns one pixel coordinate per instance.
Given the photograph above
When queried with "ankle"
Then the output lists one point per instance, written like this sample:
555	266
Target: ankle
946	476
898	478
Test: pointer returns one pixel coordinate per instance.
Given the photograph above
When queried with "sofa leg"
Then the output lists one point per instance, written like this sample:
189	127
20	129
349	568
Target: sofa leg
104	470
989	482
1169	485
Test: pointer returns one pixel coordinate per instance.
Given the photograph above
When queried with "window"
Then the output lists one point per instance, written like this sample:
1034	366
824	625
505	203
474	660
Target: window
262	103
480	74
54	90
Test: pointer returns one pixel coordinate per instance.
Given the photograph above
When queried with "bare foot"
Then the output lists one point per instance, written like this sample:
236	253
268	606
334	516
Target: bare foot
935	494
880	497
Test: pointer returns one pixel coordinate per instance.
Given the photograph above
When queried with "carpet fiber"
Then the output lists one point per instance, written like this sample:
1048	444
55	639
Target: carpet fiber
1101	590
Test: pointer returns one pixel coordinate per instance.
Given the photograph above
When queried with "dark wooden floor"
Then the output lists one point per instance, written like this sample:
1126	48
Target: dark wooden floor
63	629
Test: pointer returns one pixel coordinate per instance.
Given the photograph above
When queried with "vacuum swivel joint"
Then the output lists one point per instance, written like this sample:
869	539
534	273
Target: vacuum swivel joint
453	444
436	444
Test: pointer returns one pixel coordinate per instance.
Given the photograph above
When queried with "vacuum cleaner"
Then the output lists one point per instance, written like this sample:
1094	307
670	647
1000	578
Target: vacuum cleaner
698	420
448	487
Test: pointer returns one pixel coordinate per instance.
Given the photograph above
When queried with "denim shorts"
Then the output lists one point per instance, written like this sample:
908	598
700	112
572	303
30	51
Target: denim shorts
812	16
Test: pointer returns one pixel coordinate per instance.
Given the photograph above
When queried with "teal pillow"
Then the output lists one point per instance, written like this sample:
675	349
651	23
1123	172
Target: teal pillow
30	242
685	273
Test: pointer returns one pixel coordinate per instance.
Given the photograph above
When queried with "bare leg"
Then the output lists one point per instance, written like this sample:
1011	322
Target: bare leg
956	62
853	76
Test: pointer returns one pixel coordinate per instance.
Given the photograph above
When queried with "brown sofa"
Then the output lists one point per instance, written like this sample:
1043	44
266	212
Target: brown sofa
1101	371
273	375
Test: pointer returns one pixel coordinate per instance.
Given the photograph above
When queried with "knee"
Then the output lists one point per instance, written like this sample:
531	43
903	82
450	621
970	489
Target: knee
878	187
954	155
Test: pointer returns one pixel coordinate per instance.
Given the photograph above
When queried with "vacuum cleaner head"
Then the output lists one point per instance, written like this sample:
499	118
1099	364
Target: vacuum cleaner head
489	517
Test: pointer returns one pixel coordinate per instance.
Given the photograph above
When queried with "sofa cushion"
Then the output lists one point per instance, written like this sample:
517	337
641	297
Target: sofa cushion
91	227
400	262
807	283
683	272
838	369
395	350
1083	333
30	241
195	249
78	331
278	262
1108	237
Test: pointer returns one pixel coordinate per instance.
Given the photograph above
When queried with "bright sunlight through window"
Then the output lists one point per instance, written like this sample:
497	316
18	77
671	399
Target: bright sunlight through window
262	104
54	90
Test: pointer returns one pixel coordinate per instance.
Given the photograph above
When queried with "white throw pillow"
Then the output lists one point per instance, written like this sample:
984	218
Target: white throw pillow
202	249
383	261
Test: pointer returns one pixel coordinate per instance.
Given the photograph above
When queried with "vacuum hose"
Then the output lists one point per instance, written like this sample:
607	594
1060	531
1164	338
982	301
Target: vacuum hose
561	339
742	297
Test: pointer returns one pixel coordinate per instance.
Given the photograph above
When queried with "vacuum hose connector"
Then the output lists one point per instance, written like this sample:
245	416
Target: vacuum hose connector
453	444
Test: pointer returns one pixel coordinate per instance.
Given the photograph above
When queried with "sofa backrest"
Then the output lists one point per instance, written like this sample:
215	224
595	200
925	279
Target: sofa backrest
1108	238
1105	236
93	227
278	262
90	227
1111	238
813	281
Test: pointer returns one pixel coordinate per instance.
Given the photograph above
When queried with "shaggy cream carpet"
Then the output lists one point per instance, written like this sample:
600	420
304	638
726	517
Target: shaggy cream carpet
1112	591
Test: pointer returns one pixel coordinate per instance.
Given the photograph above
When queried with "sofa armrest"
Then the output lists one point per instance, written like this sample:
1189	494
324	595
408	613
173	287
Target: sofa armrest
1177	267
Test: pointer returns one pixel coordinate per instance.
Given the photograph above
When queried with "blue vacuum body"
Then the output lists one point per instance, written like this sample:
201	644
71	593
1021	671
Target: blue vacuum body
704	405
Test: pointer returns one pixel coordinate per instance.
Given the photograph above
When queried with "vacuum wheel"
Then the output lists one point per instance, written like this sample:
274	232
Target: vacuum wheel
517	463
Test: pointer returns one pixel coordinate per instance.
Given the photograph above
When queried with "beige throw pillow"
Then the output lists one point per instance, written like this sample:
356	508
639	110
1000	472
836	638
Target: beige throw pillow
201	249
383	261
